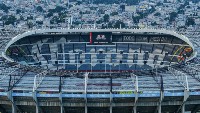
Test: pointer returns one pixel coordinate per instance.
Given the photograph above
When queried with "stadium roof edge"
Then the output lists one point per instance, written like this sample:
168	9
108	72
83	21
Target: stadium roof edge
145	30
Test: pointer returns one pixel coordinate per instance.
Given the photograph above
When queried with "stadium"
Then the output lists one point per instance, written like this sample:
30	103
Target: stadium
99	71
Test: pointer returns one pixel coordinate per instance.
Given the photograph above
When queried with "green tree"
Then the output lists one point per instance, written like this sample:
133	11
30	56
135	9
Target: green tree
172	16
132	2
190	21
56	19
136	19
39	9
4	7
18	11
114	13
128	2
78	3
30	18
99	21
106	18
181	11
21	17
159	4
39	22
157	14
101	11
165	1
9	19
49	14
154	24
118	23
30	25
152	10
110	25
57	9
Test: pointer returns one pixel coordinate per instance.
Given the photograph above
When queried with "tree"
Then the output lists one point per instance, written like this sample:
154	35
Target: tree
39	9
106	18
30	18
186	3
76	23
110	25
181	11
78	3
159	4
165	1
49	14
152	10
190	21
132	2
101	11
30	25
172	17
18	11
56	19
99	21
114	13
9	19
118	23
188	6
39	22
181	27
4	17
154	24
136	19
4	7
21	17
157	14
195	1
105	1
56	10
128	2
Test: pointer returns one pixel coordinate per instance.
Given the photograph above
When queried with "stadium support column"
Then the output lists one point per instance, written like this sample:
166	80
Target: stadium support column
136	93
158	109
10	97
36	102
186	96
86	81
62	110
111	96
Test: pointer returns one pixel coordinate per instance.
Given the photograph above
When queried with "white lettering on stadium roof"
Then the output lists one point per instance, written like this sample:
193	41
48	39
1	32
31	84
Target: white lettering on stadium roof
129	38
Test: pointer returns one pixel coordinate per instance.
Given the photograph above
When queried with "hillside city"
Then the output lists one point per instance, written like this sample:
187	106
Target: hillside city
182	16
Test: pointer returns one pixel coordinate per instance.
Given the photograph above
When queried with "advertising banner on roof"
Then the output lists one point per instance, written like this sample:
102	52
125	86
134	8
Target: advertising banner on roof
100	38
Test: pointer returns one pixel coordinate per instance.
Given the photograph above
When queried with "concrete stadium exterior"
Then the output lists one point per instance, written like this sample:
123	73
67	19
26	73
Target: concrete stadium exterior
99	70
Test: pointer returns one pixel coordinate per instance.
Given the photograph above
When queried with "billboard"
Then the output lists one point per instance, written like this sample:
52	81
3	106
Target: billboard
100	38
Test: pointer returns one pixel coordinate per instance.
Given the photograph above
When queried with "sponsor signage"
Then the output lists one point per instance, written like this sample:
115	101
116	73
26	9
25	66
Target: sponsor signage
22	94
129	38
100	38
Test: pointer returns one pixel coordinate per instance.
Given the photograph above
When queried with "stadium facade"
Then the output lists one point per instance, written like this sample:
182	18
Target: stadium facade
99	71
